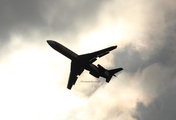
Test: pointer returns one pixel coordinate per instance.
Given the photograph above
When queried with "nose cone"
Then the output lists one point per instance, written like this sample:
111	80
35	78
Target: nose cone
51	43
54	45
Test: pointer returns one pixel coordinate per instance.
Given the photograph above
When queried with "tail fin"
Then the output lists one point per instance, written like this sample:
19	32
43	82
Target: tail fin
112	73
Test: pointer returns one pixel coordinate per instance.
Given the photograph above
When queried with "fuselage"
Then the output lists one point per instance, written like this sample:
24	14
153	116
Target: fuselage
73	56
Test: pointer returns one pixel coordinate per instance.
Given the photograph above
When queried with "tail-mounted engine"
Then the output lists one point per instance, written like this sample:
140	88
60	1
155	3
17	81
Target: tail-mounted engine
95	74
102	69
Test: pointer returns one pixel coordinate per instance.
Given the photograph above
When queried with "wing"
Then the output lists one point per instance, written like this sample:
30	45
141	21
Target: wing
76	69
92	57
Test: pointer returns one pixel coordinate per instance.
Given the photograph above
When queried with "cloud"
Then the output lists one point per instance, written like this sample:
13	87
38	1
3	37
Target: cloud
147	56
161	108
154	64
47	17
35	76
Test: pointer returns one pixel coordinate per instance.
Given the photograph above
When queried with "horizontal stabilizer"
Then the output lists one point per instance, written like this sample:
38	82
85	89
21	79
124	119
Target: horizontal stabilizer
112	73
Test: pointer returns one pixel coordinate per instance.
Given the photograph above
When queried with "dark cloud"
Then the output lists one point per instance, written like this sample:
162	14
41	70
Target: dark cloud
68	16
132	59
161	108
19	16
61	17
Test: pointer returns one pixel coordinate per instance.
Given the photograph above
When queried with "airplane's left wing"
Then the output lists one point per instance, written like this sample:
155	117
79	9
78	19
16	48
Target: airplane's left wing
91	57
75	70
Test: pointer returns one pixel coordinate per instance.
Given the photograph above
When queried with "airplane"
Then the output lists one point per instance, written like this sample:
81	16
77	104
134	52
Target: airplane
85	61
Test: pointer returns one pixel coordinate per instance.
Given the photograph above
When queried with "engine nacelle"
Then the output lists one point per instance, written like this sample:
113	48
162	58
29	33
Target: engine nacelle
94	74
107	73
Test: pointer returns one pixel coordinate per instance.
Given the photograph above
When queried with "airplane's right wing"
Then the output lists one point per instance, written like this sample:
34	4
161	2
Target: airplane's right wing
91	57
75	70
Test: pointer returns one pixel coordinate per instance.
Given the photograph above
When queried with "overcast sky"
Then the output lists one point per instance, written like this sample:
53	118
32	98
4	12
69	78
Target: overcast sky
33	77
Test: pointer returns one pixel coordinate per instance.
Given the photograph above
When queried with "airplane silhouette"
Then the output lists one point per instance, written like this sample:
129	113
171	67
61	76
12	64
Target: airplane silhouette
81	62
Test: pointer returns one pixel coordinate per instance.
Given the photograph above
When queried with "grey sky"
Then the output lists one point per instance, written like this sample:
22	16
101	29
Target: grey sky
62	17
146	50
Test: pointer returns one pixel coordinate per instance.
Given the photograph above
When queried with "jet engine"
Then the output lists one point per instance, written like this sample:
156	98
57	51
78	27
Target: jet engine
94	74
107	73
